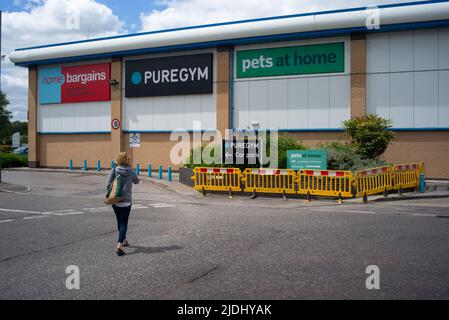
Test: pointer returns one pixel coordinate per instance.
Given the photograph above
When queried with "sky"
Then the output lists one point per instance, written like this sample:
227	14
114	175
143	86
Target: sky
37	22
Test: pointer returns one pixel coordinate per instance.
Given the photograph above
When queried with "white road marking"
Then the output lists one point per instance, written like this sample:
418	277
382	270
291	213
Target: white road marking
17	192
8	220
417	214
35	217
61	213
98	210
71	213
20	211
161	205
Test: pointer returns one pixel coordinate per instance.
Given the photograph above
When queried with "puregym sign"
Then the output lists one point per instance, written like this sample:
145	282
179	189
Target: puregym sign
179	75
308	59
85	83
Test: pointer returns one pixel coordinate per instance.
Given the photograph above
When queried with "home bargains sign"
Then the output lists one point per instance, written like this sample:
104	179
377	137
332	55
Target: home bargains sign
84	83
297	60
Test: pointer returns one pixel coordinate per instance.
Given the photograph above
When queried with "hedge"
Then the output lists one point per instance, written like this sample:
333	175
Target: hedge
13	160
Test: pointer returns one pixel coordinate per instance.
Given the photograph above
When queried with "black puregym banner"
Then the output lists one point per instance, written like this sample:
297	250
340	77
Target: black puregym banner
191	74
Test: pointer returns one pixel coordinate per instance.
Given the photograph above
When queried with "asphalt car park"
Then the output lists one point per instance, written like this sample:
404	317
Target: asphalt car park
185	246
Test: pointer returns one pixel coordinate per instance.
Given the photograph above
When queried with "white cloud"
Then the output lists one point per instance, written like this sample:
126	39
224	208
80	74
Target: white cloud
45	21
192	12
49	21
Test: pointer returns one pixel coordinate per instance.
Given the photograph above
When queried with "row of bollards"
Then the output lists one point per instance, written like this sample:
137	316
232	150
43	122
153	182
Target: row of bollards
113	165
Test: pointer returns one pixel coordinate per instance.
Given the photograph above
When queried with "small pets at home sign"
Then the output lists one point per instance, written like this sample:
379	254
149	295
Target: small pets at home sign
307	159
134	140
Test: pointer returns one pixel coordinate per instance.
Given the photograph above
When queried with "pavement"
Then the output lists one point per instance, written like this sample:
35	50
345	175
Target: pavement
185	246
434	188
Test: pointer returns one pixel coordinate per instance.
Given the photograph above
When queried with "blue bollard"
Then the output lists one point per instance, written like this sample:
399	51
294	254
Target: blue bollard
422	183
98	166
169	174
160	172
85	166
137	168
149	170
71	165
112	164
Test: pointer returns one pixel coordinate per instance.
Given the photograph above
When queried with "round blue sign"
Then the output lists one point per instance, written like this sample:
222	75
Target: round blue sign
136	78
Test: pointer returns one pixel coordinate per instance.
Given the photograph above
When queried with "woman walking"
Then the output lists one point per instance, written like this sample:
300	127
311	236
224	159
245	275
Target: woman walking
122	209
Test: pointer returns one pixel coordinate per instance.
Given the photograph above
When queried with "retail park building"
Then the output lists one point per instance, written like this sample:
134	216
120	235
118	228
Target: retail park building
303	74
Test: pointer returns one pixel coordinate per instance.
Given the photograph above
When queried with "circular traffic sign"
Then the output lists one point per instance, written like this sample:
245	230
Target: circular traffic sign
115	124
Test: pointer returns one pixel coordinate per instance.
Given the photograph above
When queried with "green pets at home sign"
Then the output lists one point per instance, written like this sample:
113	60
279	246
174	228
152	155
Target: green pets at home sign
297	60
307	159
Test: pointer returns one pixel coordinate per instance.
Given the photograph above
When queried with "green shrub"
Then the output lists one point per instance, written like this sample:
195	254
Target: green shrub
211	149
5	148
344	156
369	135
13	160
285	143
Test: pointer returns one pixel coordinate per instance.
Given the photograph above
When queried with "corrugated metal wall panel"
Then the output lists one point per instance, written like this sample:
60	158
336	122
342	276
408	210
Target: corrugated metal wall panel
168	113
314	101
412	91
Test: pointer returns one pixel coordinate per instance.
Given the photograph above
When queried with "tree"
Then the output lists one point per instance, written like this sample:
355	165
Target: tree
370	135
5	116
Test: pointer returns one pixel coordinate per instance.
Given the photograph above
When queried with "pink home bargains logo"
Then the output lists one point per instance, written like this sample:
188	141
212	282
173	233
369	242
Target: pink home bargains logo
84	83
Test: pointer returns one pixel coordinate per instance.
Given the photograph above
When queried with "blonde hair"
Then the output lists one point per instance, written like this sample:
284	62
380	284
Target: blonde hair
124	159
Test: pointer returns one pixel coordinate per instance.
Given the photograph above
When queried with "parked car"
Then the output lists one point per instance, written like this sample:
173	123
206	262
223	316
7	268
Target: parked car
21	151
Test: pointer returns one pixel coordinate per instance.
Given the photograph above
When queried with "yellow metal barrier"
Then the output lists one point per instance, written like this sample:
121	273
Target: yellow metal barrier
420	168
342	184
407	175
373	181
217	179
325	183
269	181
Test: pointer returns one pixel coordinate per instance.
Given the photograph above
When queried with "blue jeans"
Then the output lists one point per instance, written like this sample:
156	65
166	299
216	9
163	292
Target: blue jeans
122	215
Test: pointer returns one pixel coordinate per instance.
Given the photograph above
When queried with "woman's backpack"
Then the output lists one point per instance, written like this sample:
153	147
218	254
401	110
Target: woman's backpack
115	192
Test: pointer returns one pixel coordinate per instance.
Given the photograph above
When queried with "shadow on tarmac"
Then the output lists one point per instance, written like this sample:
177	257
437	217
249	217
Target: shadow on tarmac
151	250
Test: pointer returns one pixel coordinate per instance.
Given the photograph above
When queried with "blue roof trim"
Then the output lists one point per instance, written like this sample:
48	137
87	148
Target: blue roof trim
405	4
169	131
293	130
244	41
213	130
341	130
72	132
420	129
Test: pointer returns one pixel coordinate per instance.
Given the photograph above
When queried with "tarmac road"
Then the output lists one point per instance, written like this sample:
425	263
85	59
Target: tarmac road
188	247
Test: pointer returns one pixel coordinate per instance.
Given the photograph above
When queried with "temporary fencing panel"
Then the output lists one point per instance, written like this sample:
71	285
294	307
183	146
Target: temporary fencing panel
269	181
406	176
214	179
373	181
325	183
421	168
331	183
